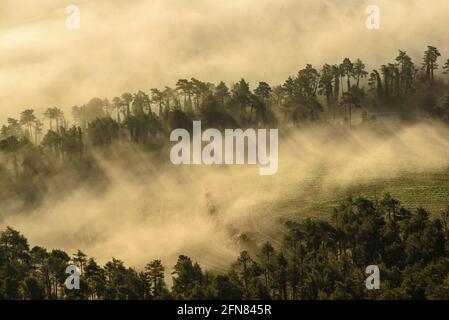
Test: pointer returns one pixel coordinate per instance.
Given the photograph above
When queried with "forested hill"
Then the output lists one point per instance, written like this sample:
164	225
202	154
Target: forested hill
343	94
330	94
316	260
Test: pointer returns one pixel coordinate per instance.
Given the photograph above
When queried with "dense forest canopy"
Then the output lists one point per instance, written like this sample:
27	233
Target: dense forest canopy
313	94
316	260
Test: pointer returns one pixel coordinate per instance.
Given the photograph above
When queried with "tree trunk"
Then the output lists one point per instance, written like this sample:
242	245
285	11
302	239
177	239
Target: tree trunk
350	111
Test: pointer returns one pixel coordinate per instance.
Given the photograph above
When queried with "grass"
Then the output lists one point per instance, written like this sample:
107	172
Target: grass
413	190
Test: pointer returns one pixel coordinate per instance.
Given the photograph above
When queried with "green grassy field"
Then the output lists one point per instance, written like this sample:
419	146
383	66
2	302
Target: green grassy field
427	190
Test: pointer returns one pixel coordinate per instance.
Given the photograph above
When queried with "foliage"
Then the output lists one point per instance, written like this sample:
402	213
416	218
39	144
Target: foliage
317	260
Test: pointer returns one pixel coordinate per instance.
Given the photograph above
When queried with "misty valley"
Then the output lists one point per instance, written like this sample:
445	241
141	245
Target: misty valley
356	175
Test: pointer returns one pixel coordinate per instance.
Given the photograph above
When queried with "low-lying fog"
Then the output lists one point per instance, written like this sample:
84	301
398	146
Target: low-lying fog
157	210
